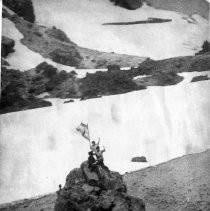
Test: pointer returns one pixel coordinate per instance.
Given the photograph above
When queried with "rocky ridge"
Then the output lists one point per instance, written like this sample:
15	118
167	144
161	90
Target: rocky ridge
24	8
20	89
60	84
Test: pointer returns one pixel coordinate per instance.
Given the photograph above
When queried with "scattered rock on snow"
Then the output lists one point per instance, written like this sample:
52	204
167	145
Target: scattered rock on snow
139	159
69	101
129	4
200	78
23	8
7	46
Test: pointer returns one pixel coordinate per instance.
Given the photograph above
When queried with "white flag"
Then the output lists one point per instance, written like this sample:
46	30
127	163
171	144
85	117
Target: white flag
83	129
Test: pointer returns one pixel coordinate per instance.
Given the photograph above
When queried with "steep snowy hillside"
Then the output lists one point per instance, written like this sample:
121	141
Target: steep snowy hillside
151	109
160	123
82	21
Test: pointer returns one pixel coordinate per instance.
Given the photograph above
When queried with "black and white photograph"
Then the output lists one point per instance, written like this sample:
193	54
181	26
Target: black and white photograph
105	105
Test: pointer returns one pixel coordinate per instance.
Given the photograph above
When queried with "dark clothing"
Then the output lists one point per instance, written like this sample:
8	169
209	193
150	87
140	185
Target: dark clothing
91	160
101	163
92	164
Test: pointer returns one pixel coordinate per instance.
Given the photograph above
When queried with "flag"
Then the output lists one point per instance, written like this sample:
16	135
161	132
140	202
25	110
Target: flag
83	129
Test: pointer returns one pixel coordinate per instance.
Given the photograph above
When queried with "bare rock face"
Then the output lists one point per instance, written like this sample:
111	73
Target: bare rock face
139	159
95	190
24	8
128	4
205	48
200	78
7	46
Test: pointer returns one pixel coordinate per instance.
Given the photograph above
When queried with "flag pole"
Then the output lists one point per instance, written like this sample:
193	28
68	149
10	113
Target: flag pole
88	132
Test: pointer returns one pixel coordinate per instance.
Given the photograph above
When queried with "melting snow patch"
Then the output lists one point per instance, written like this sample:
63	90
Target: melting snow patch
157	41
141	76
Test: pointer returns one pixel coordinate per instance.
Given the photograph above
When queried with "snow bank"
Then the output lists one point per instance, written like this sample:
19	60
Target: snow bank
39	147
82	19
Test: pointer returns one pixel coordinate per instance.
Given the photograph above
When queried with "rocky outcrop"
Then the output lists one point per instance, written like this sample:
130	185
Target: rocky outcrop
7	46
139	159
205	48
60	84
200	7
200	78
24	8
66	57
4	62
113	67
128	4
15	95
160	79
87	190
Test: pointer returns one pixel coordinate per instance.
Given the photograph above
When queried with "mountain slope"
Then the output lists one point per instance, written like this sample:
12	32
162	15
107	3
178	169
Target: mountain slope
183	36
180	184
189	7
52	43
160	123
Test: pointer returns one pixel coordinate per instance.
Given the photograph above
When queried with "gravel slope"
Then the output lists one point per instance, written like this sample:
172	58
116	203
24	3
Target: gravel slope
180	184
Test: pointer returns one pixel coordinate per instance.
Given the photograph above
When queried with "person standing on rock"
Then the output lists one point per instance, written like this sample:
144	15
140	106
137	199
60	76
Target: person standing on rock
91	161
94	145
100	158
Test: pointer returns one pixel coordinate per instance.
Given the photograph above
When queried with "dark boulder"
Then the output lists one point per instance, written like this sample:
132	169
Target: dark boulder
128	4
69	101
23	8
205	48
139	159
200	78
101	190
4	62
7	46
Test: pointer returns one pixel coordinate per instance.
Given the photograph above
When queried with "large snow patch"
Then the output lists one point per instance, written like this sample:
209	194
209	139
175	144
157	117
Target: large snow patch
82	20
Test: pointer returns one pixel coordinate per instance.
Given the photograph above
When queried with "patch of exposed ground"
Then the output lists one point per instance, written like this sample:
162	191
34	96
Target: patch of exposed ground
180	184
43	203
